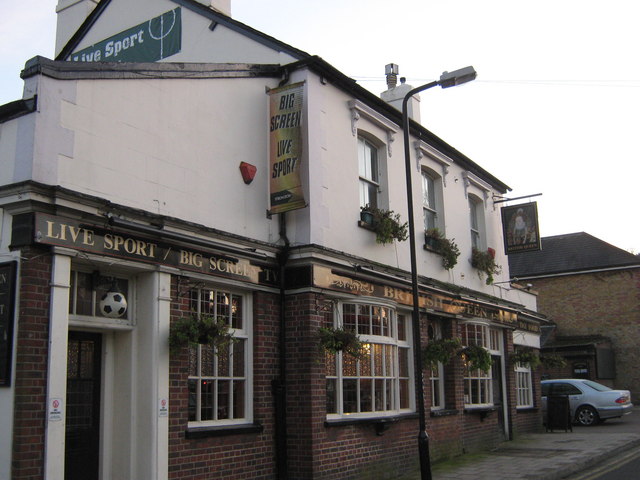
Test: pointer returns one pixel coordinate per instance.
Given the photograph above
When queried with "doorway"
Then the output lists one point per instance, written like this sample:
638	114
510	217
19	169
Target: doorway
82	434
498	397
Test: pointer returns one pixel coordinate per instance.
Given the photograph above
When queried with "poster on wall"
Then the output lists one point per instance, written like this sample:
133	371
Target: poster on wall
286	106
520	228
7	296
153	40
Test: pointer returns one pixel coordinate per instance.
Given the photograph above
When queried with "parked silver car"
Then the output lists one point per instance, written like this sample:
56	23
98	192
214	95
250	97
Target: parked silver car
589	401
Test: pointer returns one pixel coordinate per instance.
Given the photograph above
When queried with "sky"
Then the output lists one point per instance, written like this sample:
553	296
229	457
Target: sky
554	110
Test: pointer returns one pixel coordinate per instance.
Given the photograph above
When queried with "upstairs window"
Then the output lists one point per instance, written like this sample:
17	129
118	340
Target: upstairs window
475	224
429	206
369	172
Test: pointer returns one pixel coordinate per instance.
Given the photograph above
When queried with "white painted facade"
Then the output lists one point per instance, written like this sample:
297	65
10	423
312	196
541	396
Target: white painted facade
171	147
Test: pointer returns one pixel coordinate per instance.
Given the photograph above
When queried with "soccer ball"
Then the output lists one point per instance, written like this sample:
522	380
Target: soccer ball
113	305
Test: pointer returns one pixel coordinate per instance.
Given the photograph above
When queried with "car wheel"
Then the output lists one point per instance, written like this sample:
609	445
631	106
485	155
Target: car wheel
587	416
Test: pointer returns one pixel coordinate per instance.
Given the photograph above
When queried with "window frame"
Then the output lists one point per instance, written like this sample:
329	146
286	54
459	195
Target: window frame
524	386
245	334
337	364
368	173
477	380
432	205
474	223
104	280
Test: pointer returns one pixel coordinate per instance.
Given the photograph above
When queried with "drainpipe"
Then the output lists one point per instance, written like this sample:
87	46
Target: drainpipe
279	384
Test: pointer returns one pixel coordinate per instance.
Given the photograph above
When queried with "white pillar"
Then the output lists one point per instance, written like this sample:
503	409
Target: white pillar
57	374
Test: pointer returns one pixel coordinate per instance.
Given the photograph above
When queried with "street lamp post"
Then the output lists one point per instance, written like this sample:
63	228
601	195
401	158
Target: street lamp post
447	79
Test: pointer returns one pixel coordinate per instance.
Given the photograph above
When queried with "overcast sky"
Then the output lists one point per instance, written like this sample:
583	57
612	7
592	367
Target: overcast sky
554	109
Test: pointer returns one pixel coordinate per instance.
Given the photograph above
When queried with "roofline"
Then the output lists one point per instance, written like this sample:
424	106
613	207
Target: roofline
61	70
17	108
577	272
349	85
194	6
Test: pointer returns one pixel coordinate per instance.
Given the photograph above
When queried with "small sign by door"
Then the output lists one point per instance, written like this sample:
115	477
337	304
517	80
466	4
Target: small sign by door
55	410
163	407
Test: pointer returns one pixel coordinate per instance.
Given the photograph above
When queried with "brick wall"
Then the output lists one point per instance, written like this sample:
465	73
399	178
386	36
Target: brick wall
336	452
31	365
605	303
237	456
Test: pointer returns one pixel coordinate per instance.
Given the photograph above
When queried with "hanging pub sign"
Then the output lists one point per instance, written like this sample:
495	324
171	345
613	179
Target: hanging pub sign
153	40
285	148
7	296
520	228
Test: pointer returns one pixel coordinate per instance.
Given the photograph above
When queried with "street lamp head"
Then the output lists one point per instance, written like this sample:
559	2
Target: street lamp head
457	77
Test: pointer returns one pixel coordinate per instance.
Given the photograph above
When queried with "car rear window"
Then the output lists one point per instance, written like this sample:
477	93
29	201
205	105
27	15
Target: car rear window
596	386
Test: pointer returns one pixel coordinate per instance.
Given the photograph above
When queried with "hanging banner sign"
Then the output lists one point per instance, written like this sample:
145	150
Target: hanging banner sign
150	41
285	148
520	228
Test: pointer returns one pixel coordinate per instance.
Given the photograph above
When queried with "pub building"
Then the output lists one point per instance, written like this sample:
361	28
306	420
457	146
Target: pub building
173	168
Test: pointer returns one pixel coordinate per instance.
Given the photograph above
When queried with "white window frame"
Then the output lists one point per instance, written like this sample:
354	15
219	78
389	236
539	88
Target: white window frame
391	341
524	386
126	322
477	380
368	172
432	204
244	335
474	223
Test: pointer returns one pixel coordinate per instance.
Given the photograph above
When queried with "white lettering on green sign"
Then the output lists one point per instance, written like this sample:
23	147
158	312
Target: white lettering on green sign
150	41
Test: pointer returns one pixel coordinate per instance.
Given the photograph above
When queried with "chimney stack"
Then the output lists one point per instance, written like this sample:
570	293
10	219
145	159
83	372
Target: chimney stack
71	14
395	93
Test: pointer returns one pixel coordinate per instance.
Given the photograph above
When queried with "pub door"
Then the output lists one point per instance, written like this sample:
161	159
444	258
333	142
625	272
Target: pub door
498	397
82	436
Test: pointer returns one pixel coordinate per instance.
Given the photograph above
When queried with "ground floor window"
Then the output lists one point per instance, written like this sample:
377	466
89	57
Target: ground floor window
524	389
478	384
378	383
219	377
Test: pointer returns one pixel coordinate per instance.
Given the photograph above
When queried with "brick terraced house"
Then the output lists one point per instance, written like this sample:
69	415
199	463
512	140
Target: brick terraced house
591	291
174	169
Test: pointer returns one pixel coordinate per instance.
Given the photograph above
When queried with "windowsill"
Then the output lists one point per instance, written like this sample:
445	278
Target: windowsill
444	412
482	412
527	409
379	423
213	431
366	226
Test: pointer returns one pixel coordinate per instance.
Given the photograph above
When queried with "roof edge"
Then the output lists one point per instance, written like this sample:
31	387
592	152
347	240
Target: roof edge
322	67
18	108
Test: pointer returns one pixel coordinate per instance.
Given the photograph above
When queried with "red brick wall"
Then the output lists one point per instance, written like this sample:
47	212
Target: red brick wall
31	365
605	303
239	456
337	452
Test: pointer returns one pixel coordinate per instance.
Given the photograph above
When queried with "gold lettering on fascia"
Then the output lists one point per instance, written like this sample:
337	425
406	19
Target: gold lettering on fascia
62	231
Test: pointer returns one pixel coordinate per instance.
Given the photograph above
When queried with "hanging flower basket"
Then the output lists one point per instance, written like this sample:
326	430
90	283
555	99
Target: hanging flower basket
526	356
485	262
441	350
334	340
477	358
199	329
447	248
385	223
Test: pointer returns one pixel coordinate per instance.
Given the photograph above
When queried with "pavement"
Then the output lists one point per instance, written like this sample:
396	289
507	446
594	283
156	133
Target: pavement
547	456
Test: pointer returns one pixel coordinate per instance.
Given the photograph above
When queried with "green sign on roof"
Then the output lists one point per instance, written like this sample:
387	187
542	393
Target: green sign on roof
150	41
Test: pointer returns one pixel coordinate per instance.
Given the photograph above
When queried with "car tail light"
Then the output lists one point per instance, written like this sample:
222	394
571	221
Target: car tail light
622	400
